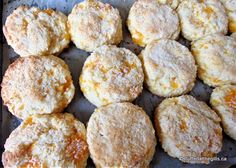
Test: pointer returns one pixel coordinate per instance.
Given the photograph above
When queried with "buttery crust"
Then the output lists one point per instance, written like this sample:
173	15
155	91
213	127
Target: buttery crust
200	18
169	68
93	24
37	85
215	56
188	129
55	140
148	20
32	31
121	135
223	100
111	74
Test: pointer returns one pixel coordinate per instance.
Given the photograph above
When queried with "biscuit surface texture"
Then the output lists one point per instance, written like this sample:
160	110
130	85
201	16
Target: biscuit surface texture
55	140
223	100
121	135
169	68
37	85
188	129
200	18
32	31
172	3
148	21
111	74
230	6
93	24
216	58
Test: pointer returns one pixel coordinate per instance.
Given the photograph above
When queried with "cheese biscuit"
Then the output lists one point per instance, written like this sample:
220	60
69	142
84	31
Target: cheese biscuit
188	129
37	85
223	100
169	68
93	24
199	18
111	74
121	135
32	31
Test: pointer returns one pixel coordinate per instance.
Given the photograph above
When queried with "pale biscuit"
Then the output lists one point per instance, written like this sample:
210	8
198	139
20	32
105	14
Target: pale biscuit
111	74
230	6
233	35
148	21
216	58
169	68
32	31
172	3
37	85
223	100
93	24
55	140
188	129
121	135
201	18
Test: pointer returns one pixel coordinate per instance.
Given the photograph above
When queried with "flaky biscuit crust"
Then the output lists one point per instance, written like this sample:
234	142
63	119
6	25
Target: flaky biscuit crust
169	68
215	56
37	85
148	21
201	18
188	129
121	135
93	24
111	74
223	100
32	31
230	6
55	140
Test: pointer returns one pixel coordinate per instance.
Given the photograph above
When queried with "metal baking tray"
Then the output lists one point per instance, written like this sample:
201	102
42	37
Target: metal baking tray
80	107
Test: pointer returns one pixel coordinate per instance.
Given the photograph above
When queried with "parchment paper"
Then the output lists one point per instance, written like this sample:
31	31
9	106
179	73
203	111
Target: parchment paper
82	109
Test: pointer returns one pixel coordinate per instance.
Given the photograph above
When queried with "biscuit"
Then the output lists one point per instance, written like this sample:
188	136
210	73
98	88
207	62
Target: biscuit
111	74
201	18
188	129
93	24
32	31
223	101
121	135
37	85
169	68
216	58
172	3
233	35
148	21
230	6
55	140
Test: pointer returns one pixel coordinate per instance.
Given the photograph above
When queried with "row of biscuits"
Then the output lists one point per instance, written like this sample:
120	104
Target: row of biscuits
187	129
32	31
112	75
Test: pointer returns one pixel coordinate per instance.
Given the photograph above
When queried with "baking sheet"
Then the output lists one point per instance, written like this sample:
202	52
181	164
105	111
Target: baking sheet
80	107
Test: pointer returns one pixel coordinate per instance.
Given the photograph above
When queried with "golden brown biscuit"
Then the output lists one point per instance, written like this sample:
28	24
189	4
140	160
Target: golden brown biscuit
93	24
199	18
215	56
188	129
223	100
121	135
32	31
111	74
148	21
55	140
37	85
